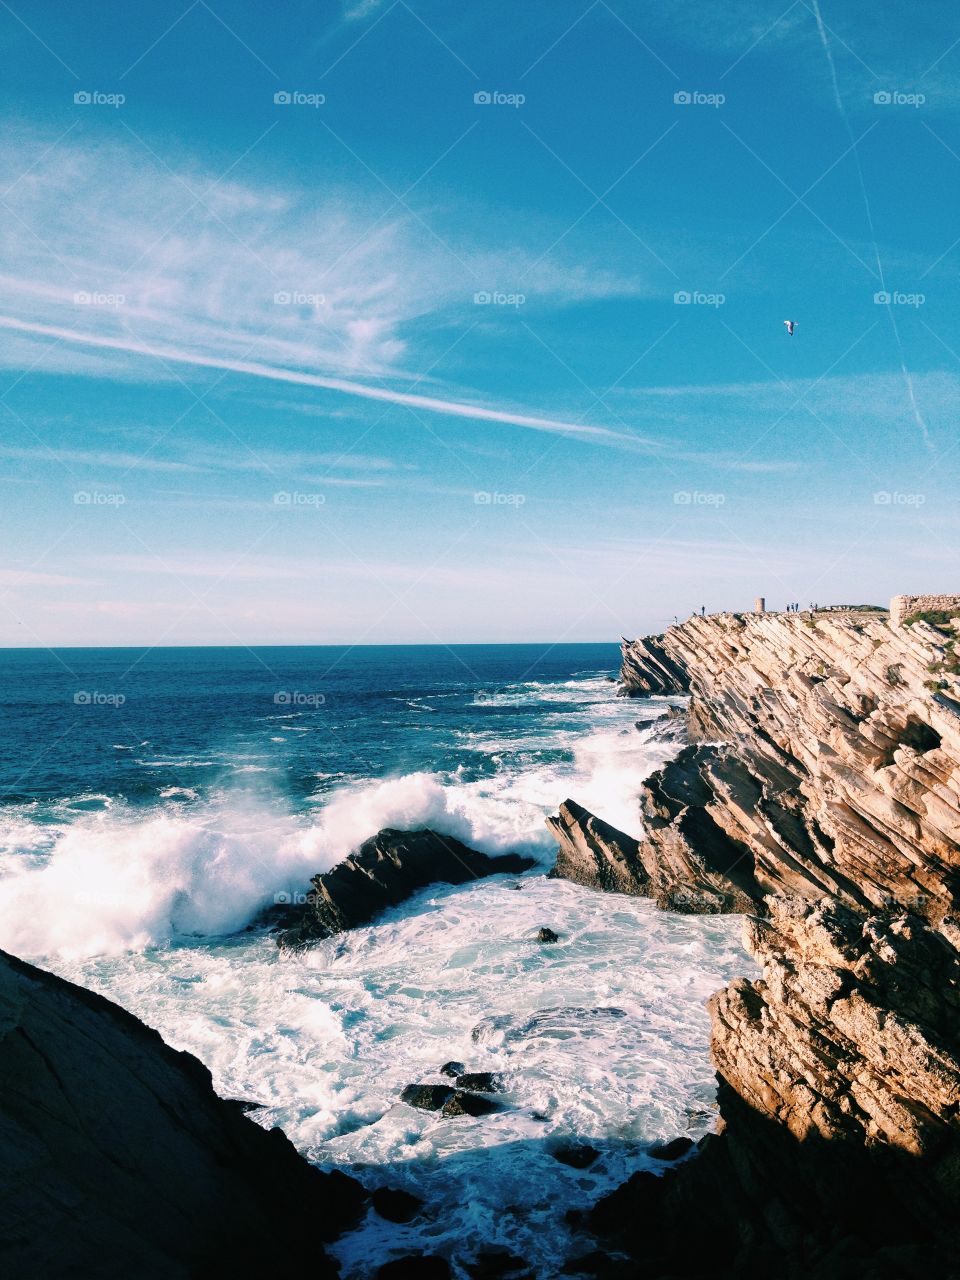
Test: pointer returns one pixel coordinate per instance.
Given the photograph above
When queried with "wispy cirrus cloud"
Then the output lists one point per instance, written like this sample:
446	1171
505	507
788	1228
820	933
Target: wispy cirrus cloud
179	268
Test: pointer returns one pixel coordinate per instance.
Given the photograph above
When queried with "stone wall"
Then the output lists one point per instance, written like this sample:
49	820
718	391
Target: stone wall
902	606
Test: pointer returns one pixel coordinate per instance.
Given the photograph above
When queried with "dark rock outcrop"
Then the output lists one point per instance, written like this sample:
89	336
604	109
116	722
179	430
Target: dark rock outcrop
546	934
463	1102
395	1204
669	1151
385	871
426	1097
578	1155
755	1203
460	1101
481	1081
118	1159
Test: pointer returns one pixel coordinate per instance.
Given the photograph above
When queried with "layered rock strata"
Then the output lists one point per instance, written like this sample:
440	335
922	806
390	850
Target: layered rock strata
821	794
649	668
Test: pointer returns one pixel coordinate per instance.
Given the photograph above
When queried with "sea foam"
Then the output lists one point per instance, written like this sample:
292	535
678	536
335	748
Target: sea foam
124	877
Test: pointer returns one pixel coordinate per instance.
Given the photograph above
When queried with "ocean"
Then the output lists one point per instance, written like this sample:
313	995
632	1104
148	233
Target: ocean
154	801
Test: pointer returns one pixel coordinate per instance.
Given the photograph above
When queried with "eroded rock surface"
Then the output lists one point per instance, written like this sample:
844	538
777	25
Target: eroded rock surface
648	667
595	854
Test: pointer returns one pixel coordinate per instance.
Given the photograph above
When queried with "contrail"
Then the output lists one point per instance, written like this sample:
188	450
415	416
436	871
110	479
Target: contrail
907	378
256	369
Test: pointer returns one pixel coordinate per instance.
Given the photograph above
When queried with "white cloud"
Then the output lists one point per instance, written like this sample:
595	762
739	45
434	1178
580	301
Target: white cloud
119	255
12	578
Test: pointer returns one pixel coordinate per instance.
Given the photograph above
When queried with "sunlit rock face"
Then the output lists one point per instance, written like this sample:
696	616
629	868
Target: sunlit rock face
820	794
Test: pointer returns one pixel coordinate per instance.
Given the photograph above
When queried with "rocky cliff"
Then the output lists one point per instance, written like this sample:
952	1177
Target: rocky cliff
820	792
117	1159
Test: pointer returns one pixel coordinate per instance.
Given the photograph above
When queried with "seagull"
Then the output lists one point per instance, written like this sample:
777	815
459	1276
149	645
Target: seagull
791	325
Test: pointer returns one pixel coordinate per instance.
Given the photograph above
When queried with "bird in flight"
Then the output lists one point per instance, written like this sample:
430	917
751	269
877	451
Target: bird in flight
791	325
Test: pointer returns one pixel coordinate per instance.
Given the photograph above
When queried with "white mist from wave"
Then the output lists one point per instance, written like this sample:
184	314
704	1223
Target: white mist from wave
122	878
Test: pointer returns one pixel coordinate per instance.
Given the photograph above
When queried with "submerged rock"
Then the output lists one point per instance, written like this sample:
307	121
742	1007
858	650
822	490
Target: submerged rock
463	1103
426	1097
396	1205
385	871
117	1158
481	1081
547	935
578	1155
453	1069
559	1022
671	1150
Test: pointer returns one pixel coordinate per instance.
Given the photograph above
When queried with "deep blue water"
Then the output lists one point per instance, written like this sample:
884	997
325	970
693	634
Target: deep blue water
153	802
133	723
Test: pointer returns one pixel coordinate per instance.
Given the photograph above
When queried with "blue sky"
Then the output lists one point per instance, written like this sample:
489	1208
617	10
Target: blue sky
365	321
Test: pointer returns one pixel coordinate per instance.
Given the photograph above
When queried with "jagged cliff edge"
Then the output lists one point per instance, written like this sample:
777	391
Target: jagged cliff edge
820	793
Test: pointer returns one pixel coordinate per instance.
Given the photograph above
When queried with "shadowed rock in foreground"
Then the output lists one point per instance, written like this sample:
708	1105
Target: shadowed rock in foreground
117	1159
384	872
821	794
